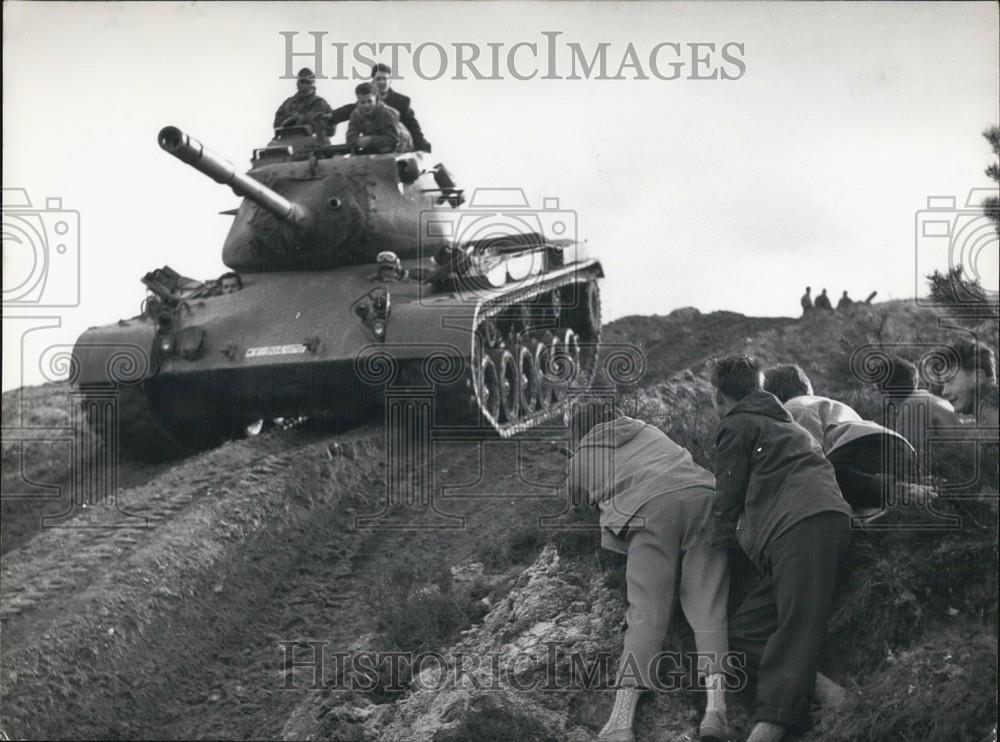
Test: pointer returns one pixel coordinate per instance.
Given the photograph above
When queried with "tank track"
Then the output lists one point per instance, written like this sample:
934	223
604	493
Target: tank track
142	433
531	348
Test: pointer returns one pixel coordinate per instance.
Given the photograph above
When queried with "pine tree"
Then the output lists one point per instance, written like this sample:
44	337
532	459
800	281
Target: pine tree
991	205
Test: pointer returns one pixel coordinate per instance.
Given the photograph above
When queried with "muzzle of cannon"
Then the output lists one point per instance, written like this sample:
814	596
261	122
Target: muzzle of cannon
190	151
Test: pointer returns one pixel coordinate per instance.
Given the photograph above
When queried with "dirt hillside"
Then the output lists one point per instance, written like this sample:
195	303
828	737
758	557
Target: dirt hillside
270	588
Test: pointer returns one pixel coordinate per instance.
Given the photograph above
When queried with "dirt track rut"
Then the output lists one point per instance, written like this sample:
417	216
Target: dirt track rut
171	630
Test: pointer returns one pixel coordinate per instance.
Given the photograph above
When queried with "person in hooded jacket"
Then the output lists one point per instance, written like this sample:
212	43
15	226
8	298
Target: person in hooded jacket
656	507
867	457
777	495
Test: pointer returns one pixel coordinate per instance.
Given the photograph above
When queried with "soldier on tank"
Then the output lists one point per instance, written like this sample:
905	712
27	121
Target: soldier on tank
845	302
390	268
375	127
305	107
397	101
230	282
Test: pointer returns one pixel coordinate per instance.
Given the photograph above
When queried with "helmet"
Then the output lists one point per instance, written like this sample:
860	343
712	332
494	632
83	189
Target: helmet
306	74
388	258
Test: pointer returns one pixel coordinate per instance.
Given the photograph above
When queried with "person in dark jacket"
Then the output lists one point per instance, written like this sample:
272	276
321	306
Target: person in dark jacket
397	101
823	302
867	458
844	303
656	507
807	301
778	495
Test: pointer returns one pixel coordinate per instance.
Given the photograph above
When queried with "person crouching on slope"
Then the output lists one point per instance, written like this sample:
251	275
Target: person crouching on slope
868	459
656	507
778	495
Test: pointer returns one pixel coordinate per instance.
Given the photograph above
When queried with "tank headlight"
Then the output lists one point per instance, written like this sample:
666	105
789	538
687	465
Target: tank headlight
191	343
378	327
166	344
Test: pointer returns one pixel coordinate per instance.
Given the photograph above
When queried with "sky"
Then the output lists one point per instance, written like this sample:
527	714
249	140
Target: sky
806	161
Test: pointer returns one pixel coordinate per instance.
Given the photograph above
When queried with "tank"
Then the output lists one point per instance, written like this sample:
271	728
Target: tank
488	312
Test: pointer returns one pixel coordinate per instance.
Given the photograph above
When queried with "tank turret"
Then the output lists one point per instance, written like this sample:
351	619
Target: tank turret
318	209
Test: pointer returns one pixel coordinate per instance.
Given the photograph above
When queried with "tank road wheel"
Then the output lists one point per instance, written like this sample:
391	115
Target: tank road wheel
489	386
541	393
585	314
593	307
510	389
527	379
553	389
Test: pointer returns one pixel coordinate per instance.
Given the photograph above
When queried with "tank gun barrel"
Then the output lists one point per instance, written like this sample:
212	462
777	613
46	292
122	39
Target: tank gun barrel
189	150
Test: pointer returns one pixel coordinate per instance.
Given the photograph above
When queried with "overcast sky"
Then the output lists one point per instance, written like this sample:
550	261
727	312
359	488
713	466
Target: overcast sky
807	166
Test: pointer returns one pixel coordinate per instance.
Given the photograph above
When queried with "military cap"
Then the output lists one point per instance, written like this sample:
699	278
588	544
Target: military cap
307	74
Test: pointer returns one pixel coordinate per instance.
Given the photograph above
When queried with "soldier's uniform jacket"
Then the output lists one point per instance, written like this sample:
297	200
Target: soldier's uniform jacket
306	109
401	104
384	125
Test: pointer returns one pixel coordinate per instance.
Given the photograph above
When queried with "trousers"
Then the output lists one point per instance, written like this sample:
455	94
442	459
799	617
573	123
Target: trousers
781	625
865	468
670	554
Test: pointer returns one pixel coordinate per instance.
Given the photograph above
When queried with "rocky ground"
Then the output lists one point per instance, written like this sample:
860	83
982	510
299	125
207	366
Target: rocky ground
173	609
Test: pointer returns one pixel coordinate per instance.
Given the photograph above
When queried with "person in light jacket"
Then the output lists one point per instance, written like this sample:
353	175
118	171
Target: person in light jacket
656	507
867	457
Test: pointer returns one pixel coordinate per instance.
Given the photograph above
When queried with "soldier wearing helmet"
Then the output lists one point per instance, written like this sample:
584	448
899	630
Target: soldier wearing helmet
390	268
305	107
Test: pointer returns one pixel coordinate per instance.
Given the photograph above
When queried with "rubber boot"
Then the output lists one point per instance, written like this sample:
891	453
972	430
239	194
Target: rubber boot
713	726
765	731
619	726
829	695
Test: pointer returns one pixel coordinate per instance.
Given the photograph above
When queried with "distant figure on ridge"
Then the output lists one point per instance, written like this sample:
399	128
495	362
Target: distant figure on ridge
806	301
845	302
823	302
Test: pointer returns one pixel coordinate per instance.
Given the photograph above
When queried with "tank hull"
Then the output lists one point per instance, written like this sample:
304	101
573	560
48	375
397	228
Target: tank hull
295	344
